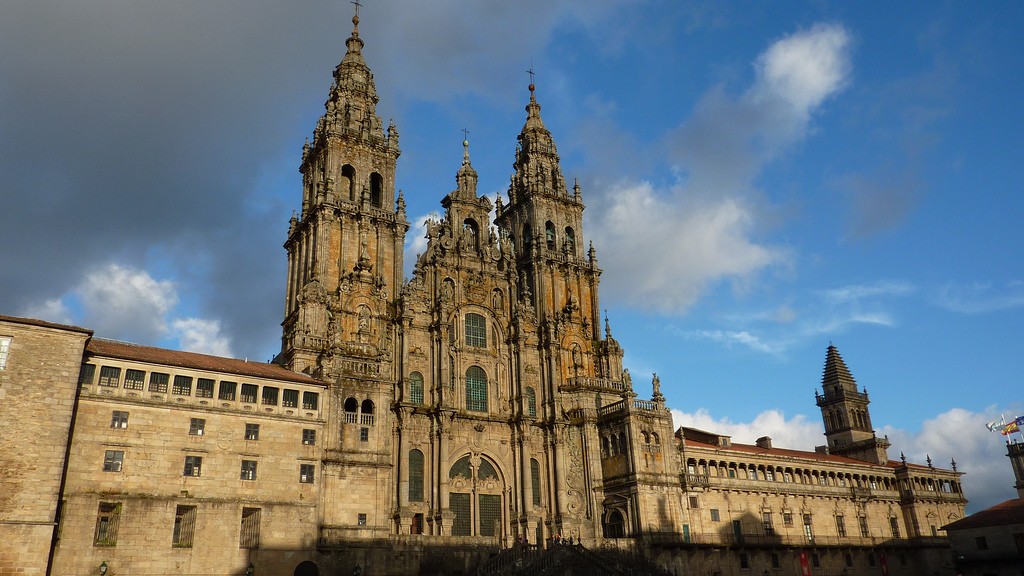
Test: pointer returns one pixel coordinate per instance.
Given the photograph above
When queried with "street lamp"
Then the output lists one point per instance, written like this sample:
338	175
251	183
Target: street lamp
250	570
103	568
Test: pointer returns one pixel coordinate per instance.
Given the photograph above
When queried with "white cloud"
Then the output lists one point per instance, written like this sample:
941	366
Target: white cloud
957	434
855	292
204	336
729	337
979	298
416	239
796	433
125	301
54	310
705	227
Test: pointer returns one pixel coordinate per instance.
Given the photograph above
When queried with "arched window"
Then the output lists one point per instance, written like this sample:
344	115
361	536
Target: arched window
570	240
472	232
549	234
535	480
527	236
376	189
416	388
415	476
622	444
366	416
614	446
604	447
614	526
351	410
476	389
348	182
476	331
531	402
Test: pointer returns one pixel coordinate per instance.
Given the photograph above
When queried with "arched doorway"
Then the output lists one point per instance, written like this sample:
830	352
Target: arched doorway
614	525
475	496
307	568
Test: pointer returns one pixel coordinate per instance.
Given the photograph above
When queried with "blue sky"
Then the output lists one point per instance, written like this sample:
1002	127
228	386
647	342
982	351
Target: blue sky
795	173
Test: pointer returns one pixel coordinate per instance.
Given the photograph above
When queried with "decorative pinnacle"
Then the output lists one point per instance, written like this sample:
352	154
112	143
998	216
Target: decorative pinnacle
355	19
532	74
465	146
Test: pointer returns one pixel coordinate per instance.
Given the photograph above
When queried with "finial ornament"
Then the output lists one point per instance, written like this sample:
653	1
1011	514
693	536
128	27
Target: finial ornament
953	463
903	457
355	18
532	74
465	146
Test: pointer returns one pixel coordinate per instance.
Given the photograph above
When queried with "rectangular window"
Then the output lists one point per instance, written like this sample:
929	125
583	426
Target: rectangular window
715	516
249	392
808	529
184	526
119	419
744	562
753	474
766	519
787	518
248	470
310	400
182	386
863	521
134	379
307	472
693	502
112	460
775	560
226	391
840	525
204	388
290	398
769	475
249	536
981	543
361	519
309	437
894	525
252	431
364	434
196	426
110	376
107	519
193	466
815	561
158	382
86	374
269	396
5	351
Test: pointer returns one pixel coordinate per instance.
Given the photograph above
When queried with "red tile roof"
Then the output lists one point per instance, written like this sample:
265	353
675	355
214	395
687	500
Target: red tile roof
1009	512
127	351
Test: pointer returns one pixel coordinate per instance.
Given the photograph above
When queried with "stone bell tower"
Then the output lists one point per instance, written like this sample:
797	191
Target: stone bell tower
845	413
345	249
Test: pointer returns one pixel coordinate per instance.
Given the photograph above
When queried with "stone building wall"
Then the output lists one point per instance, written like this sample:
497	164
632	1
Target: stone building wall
39	364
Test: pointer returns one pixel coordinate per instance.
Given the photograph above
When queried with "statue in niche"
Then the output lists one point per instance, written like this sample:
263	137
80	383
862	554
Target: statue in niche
363	330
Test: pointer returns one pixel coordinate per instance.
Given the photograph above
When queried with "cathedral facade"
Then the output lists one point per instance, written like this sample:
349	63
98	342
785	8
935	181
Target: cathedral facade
423	425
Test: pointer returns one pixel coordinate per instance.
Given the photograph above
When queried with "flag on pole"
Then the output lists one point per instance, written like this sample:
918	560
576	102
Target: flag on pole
1010	428
994	426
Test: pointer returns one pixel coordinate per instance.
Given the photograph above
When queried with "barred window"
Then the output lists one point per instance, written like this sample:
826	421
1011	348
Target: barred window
462	524
226	391
184	526
108	517
310	400
249	536
197	426
249	392
290	399
415	476
269	396
416	388
134	379
182	385
204	388
86	374
476	331
110	376
476	389
252	431
158	382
